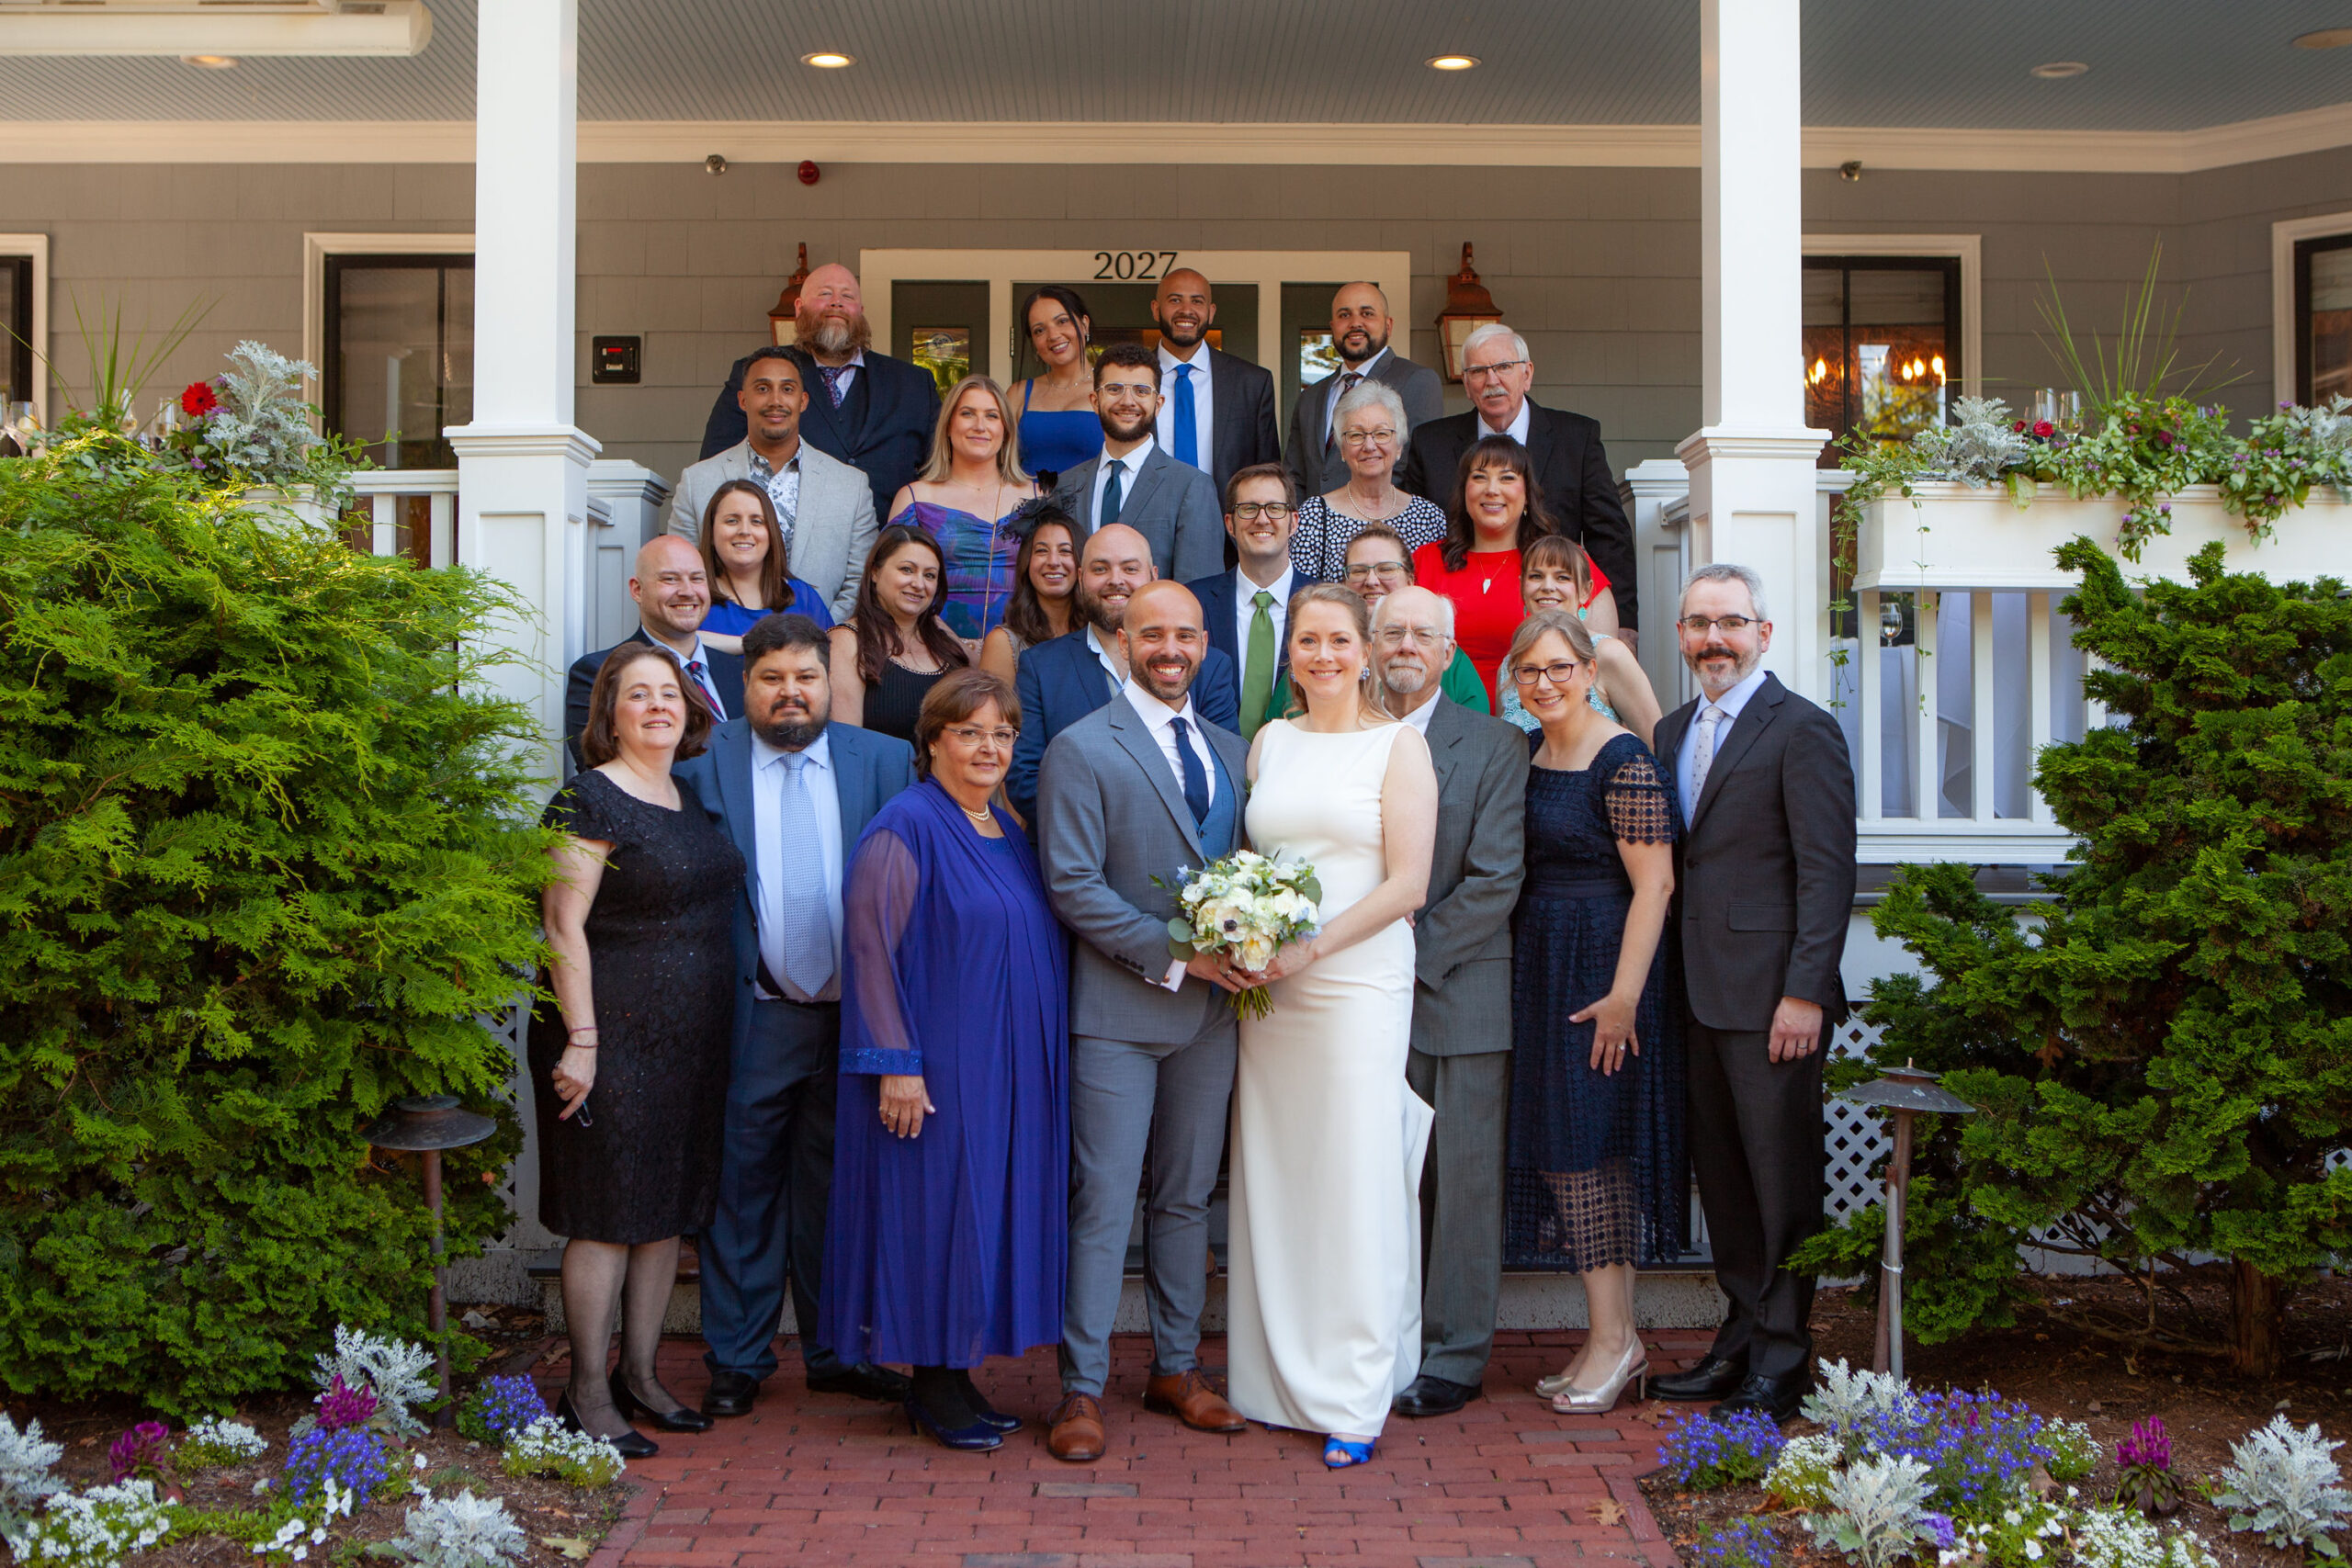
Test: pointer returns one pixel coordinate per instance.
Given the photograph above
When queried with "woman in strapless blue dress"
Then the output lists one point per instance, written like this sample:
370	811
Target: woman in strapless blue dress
1058	427
969	498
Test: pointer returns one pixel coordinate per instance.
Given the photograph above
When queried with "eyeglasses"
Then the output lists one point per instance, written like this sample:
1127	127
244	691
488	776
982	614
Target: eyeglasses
1477	371
1557	673
1425	638
1699	625
1380	437
972	733
1251	510
1382	569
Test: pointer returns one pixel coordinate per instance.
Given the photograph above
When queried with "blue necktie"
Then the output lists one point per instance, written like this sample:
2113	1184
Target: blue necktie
1110	497
807	922
1196	778
1188	423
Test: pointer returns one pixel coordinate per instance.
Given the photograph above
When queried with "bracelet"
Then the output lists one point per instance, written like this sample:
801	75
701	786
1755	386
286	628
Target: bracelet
584	1029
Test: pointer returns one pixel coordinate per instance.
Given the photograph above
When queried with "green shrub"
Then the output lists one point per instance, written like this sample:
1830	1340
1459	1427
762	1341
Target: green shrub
267	855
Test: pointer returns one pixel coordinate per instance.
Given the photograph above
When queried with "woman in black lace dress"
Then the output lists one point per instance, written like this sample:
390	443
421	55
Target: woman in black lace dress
1597	1180
628	1066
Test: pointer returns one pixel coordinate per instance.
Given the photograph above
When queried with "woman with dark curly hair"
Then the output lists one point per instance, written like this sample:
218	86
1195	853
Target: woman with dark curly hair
894	647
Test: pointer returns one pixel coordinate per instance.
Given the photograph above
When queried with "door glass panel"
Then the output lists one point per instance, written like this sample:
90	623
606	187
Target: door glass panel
944	327
1879	346
2329	331
400	355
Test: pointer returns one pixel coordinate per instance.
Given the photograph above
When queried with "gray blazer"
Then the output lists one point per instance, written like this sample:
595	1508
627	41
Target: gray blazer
1111	816
1172	504
832	534
1313	457
1462	942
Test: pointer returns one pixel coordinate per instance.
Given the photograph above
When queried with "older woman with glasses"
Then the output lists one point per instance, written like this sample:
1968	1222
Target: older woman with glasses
1377	565
1370	426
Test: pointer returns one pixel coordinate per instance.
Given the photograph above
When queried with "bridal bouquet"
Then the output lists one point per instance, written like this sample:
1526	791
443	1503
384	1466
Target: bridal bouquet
1245	905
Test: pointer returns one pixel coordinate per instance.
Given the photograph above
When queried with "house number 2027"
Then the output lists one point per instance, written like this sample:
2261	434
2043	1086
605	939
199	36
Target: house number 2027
1140	266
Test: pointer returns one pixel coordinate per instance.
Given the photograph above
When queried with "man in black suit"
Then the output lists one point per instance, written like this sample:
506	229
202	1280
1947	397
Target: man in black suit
1579	490
1216	412
1764	879
872	411
1247	608
673	594
1360	329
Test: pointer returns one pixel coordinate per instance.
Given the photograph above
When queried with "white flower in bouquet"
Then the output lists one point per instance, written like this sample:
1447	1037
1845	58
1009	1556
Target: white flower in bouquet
1244	906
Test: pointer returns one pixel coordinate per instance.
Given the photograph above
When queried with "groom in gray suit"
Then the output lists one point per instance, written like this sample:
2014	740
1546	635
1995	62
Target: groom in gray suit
1137	790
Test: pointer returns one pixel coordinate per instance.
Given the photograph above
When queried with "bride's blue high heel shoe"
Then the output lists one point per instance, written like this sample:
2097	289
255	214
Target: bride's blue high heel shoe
1340	1454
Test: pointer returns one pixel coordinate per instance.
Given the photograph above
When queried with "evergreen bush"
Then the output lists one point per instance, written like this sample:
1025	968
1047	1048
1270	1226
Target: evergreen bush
267	854
2161	1055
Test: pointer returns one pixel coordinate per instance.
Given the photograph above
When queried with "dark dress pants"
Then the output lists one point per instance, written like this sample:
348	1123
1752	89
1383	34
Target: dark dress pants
1755	1145
774	1184
1462	1209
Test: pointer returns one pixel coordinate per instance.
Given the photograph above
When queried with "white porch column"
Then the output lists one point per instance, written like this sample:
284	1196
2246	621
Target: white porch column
522	467
1752	496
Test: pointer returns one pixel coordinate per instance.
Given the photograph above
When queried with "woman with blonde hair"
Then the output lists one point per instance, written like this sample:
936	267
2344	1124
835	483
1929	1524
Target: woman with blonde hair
969	497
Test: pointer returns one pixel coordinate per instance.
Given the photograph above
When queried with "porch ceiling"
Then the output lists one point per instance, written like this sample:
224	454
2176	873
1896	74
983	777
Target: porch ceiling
2156	65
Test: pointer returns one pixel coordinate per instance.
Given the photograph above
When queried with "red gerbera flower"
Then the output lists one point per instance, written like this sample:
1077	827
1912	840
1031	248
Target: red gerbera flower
198	399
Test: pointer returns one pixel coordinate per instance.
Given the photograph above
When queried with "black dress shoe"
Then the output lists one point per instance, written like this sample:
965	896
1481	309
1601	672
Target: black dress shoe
630	1444
682	1419
865	1379
978	1438
1777	1397
1712	1378
729	1393
1434	1396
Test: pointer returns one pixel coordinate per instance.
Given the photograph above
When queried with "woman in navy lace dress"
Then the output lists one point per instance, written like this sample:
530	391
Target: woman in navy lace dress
1597	1179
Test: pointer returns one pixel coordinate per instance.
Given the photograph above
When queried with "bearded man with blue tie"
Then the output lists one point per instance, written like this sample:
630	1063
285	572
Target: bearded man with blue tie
793	791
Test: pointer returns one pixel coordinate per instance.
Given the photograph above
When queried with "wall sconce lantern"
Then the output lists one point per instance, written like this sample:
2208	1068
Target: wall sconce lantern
427	1125
781	316
1468	307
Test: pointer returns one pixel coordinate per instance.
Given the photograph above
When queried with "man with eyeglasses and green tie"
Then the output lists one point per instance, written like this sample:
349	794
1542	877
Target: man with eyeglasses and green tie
1248	606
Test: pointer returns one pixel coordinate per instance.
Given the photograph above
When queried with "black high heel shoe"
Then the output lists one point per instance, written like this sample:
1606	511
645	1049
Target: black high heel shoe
990	1415
679	1420
978	1438
632	1444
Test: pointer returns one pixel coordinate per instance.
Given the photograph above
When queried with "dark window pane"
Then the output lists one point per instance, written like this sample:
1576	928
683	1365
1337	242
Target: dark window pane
2331	325
401	355
1878	344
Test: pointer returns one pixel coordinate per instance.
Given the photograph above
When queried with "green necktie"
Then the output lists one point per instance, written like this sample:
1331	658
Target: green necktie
1257	666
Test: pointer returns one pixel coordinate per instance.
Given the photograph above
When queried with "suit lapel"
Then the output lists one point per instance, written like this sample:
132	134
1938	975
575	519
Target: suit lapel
1761	709
1147	480
1445	741
734	771
1542	442
852	785
820	410
1225	592
1136	740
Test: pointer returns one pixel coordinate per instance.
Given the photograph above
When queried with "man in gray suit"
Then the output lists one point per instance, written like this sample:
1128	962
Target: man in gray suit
1460	1062
1173	505
1360	329
825	506
1133	792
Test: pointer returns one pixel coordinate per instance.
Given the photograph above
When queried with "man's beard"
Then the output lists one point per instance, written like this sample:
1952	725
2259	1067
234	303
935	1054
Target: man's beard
1125	432
1371	347
789	734
1404	678
1169	332
1102	617
831	334
1153	683
1742	667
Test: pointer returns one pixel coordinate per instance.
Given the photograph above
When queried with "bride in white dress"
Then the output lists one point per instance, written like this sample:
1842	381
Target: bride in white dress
1324	1304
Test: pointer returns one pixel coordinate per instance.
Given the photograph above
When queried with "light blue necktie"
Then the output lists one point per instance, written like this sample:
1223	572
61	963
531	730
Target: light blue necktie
808	923
1188	423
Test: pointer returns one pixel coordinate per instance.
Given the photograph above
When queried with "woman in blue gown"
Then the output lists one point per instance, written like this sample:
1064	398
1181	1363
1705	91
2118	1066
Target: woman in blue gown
948	1230
1059	426
969	498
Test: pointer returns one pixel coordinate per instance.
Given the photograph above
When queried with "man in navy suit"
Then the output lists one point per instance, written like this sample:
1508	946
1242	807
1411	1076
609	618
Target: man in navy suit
1247	607
793	791
874	412
673	594
1061	682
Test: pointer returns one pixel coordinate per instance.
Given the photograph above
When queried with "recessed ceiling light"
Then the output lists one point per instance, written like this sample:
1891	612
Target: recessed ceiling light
1452	62
2059	70
828	59
209	62
2326	38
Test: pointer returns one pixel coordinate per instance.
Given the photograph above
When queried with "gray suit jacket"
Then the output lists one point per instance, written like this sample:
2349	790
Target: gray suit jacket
1461	939
1172	504
1111	816
832	534
1313	457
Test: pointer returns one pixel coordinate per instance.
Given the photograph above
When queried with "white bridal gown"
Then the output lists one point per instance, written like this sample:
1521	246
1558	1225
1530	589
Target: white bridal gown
1324	1306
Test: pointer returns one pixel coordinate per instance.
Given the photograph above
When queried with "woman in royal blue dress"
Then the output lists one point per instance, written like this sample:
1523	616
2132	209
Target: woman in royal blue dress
1058	427
969	497
951	1156
1597	1179
751	577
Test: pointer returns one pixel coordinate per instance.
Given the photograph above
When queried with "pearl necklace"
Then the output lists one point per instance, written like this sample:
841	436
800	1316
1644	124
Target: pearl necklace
983	816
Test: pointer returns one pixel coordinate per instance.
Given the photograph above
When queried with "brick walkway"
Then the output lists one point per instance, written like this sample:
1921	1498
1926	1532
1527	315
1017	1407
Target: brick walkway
808	1480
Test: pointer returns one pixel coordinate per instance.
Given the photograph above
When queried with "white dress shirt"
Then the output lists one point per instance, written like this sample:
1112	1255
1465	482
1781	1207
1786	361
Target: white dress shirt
1244	612
768	769
1129	466
1205	414
1518	431
701	656
1160	720
1102	655
1331	410
1420	718
1731	702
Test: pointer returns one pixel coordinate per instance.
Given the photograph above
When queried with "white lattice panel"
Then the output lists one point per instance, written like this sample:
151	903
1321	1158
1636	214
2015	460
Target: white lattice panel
1856	1140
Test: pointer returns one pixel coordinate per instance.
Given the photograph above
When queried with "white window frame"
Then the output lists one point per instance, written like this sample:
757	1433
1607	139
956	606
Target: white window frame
316	248
1968	248
2284	234
37	247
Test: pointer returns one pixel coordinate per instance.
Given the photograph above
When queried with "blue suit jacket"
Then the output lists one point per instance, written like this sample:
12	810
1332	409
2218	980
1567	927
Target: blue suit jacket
869	769
1061	682
1217	597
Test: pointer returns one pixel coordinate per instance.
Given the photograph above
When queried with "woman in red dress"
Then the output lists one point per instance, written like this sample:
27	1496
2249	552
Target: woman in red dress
1498	511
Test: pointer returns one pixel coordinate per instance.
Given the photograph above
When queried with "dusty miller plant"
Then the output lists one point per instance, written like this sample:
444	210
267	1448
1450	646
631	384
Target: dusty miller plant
262	426
2281	1483
464	1532
402	1375
1877	1510
25	1459
1844	1399
1980	448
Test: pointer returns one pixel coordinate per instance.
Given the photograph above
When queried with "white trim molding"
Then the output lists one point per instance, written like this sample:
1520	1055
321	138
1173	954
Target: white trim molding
37	247
2283	237
316	248
1079	141
393	28
1968	248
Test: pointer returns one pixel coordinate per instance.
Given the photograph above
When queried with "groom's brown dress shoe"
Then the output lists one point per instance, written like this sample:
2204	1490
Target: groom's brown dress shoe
1190	1397
1075	1430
